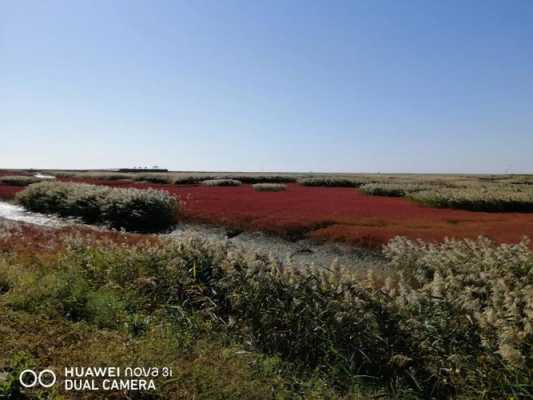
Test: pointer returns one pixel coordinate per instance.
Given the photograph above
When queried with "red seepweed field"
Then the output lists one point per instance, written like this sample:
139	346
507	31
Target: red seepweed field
331	213
8	192
127	286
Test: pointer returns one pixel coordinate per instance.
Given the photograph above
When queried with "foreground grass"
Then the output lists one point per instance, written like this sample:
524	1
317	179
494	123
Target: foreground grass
204	366
454	322
58	308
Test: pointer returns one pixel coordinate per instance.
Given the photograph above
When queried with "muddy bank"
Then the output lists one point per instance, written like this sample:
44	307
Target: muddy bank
302	252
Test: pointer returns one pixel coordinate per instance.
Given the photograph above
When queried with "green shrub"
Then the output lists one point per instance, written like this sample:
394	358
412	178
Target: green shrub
10	387
269	187
221	182
140	210
84	201
18	180
130	209
105	308
48	197
50	292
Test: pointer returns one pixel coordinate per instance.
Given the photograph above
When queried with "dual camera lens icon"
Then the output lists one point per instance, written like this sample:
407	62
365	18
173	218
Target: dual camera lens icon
29	378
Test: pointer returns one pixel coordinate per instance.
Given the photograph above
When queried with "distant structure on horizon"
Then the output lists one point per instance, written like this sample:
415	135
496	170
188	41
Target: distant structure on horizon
155	168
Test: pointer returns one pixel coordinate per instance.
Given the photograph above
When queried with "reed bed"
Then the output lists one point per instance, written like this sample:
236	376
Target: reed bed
393	189
110	176
490	198
221	182
269	187
154	178
333	181
130	209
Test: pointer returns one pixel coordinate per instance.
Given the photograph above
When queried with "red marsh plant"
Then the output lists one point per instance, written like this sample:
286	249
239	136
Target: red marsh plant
9	192
351	212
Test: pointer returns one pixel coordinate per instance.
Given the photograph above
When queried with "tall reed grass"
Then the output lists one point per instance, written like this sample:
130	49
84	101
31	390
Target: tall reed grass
393	189
130	209
452	321
333	181
491	198
221	182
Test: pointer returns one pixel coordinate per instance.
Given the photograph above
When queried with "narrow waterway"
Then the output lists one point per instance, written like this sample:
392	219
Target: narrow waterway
42	176
14	212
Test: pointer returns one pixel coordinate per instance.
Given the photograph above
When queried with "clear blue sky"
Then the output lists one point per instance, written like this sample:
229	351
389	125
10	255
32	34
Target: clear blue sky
388	86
